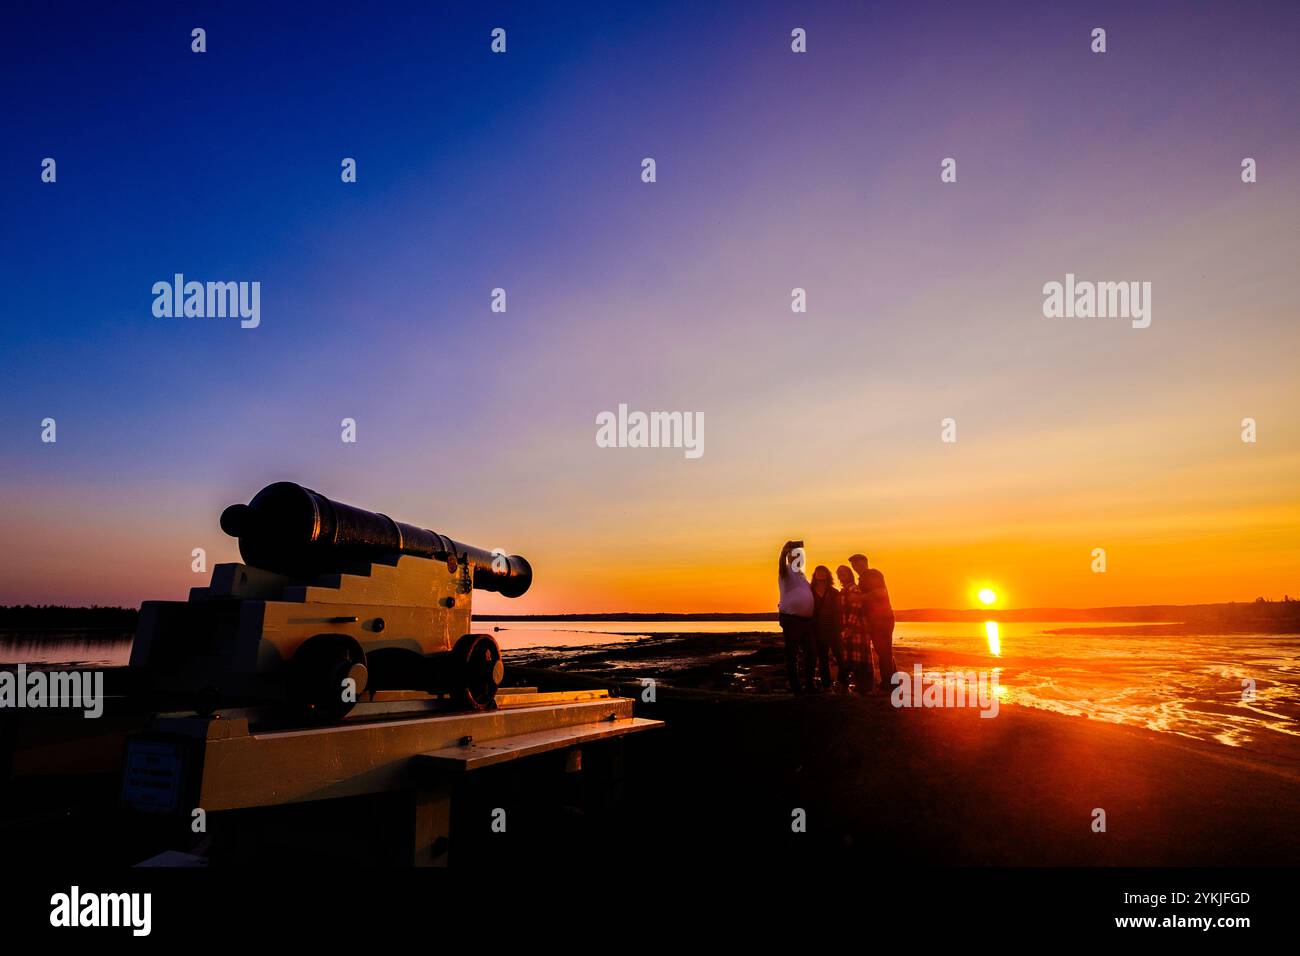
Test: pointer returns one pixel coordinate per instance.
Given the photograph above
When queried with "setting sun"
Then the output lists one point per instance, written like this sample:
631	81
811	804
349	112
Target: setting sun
987	596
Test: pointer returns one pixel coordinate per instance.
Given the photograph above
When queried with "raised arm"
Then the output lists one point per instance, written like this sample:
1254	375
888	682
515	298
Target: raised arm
785	553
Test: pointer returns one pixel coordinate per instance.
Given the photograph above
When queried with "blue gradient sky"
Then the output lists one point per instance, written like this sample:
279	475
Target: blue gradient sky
775	171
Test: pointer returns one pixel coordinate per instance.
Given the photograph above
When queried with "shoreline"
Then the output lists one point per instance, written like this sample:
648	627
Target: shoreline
751	664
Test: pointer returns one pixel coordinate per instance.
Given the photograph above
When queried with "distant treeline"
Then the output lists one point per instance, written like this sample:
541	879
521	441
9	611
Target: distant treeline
635	617
50	616
1233	615
1237	614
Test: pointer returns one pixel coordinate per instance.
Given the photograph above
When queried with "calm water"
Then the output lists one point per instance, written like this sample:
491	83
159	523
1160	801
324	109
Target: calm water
1186	685
88	648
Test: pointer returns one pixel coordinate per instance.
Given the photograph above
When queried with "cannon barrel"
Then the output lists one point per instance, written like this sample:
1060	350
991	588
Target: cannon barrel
293	530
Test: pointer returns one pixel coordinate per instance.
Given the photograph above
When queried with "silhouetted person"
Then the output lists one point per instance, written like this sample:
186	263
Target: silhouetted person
853	633
795	612
879	616
826	623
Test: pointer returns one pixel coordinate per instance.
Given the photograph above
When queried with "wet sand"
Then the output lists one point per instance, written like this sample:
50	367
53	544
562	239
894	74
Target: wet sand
748	663
739	757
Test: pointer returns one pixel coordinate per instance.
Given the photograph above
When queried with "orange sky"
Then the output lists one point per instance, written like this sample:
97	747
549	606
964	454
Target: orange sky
1189	519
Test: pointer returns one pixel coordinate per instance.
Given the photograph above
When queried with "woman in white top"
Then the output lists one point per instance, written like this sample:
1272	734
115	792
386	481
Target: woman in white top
795	613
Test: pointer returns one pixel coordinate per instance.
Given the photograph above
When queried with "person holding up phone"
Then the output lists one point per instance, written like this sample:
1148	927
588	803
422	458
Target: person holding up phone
795	614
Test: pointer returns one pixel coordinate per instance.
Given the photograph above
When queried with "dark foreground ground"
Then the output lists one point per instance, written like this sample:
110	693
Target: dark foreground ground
918	785
733	769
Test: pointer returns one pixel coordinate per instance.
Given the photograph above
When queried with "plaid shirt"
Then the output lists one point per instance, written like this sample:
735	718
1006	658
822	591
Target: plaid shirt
853	626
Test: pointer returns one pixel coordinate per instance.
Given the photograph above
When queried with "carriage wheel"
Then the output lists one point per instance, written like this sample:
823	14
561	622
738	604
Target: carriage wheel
317	674
477	670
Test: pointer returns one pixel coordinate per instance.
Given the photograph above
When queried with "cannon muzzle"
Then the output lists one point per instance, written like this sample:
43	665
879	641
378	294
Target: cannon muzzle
293	530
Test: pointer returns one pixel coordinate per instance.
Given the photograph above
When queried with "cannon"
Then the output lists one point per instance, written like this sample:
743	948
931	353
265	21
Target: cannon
332	602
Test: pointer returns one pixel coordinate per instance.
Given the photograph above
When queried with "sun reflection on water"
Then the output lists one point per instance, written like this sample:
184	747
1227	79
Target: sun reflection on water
995	641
